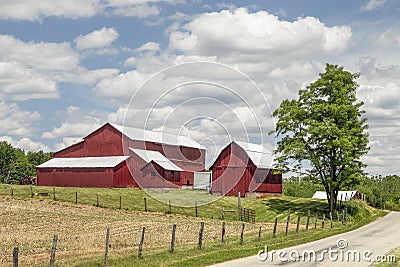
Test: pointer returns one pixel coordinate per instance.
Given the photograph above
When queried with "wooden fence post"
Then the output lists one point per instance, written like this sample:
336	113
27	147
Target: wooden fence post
141	243
12	191
170	208
31	190
274	232
53	251
338	218
97	200
259	232
223	233
287	222
195	204
298	223
323	220
316	218
145	204
15	257
76	197
343	216
107	245
239	207
120	202
201	235
308	220
54	193
173	239
330	218
242	233
223	213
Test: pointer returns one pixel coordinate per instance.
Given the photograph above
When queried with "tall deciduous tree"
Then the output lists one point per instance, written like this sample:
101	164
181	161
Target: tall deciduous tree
325	129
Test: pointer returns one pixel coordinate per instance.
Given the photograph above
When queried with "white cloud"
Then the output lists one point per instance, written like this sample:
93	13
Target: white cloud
141	11
38	9
97	39
21	83
243	34
77	125
26	144
122	86
14	121
38	55
373	4
73	9
149	46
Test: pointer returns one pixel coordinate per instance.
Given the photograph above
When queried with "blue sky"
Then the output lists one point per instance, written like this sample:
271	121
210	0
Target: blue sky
67	67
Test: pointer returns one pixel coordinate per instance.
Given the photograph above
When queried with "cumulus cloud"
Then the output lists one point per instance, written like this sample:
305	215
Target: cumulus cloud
38	55
74	9
77	125
14	121
26	144
97	39
21	83
38	9
258	34
149	46
373	4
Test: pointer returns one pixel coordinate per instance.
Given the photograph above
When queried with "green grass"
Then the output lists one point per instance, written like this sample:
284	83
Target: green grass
389	263
187	254
209	206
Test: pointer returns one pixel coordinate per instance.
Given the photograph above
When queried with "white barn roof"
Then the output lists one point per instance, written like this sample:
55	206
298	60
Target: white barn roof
342	195
158	137
85	162
157	157
258	154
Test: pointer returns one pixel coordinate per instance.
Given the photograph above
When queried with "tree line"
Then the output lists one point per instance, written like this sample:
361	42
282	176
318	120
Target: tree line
16	164
380	191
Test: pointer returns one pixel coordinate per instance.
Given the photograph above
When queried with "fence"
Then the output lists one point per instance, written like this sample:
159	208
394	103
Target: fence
141	252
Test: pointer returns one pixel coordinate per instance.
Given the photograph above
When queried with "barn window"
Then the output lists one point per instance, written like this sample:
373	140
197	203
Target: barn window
153	173
172	175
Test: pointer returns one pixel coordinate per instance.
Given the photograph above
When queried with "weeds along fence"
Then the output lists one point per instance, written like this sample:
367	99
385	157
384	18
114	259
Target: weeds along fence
141	241
111	238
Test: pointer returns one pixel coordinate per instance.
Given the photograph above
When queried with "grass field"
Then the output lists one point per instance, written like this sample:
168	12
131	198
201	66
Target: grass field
30	223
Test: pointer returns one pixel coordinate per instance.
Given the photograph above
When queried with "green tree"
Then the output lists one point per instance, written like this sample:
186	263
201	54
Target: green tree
324	129
7	158
21	168
37	158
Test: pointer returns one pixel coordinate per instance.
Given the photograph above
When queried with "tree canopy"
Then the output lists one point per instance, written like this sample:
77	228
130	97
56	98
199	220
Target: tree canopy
15	164
325	130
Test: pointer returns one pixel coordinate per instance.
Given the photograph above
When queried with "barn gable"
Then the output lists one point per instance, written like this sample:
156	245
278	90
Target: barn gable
245	168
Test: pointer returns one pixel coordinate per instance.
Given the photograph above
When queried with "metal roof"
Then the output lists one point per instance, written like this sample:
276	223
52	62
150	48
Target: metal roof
342	195
157	157
258	154
85	162
157	137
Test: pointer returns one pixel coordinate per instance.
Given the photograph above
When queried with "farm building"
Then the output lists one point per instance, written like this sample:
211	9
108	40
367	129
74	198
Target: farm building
245	168
149	156
342	195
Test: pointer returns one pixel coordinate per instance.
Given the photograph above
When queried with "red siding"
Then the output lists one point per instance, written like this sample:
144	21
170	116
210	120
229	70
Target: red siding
233	172
76	177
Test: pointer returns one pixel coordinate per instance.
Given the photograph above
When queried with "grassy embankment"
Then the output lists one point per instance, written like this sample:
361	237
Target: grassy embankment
81	228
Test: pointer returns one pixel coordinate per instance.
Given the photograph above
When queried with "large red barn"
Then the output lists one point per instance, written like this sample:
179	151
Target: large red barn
181	156
245	168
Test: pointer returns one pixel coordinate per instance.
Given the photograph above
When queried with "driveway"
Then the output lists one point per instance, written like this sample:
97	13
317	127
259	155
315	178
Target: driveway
359	247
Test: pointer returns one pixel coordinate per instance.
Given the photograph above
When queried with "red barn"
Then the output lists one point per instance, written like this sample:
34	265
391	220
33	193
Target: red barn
182	154
245	168
85	172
